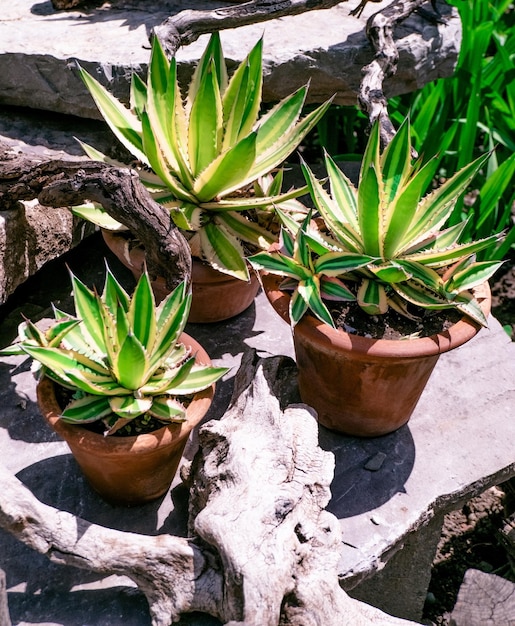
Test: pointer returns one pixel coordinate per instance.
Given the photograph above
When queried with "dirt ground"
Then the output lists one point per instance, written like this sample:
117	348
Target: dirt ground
470	536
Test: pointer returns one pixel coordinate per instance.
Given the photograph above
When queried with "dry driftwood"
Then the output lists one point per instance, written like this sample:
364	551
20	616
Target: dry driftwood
59	183
275	562
379	31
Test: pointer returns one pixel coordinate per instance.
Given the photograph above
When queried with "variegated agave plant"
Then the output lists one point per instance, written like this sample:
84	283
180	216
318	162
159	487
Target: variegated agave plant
384	243
210	157
121	356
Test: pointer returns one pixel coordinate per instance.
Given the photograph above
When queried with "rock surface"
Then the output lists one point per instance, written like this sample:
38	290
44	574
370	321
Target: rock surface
39	48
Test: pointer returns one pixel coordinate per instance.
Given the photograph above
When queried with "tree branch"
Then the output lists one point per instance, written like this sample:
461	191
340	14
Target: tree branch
379	31
58	183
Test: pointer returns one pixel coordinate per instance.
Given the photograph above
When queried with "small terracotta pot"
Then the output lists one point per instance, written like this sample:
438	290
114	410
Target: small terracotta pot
360	386
128	470
215	296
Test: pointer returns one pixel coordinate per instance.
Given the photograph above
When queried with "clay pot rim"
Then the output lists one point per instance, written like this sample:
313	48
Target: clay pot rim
135	444
458	334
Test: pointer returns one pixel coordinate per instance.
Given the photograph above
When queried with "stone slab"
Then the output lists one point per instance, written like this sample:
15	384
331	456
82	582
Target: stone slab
39	48
458	443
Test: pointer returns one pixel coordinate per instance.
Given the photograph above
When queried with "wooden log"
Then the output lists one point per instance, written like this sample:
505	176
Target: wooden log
262	550
61	183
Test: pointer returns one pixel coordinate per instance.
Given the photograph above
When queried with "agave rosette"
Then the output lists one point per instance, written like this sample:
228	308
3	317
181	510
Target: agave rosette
383	243
121	356
204	157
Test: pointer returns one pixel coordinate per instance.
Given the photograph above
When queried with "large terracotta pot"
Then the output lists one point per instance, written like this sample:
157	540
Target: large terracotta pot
128	470
360	386
215	296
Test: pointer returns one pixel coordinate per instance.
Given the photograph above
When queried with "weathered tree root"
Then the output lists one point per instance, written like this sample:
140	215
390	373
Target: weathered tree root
263	550
59	183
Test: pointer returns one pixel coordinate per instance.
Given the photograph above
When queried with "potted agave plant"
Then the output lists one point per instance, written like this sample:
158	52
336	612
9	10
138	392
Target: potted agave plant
212	160
381	251
122	385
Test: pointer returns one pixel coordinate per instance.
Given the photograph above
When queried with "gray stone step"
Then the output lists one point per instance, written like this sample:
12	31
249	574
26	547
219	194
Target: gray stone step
39	48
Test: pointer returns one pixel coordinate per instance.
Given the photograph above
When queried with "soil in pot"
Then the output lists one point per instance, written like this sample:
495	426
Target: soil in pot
128	470
215	296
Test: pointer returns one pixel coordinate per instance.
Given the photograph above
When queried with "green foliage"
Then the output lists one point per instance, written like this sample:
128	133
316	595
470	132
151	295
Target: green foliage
459	117
456	119
121	356
384	243
209	157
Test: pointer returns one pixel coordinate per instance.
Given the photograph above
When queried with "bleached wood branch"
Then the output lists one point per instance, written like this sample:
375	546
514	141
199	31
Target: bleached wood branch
263	550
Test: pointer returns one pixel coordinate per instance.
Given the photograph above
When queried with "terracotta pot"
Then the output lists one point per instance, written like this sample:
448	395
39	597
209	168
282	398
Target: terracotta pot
128	470
215	296
360	386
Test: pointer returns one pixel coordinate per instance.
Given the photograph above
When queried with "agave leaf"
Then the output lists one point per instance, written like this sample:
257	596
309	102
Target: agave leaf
88	308
211	57
113	294
371	157
87	409
422	274
396	162
390	272
59	330
172	319
298	306
129	407
168	409
331	213
131	364
334	289
338	263
370	209
241	100
95	384
421	296
246	230
180	374
284	144
200	378
279	264
434	209
301	251
372	297
242	203
138	95
96	155
469	306
225	173
61	362
205	122
158	162
343	192
124	124
95	214
280	119
472	276
159	97
223	251
441	258
141	315
402	209
309	291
